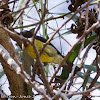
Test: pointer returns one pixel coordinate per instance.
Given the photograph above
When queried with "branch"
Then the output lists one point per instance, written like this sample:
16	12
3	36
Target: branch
49	19
5	55
20	39
83	92
65	23
21	12
73	46
9	60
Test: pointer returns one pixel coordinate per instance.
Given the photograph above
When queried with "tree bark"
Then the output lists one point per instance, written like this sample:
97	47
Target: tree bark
17	85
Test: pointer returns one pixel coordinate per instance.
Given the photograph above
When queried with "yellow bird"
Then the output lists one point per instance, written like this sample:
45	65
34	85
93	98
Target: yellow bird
50	53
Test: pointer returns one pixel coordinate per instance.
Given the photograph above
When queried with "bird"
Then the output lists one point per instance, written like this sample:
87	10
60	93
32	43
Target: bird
50	53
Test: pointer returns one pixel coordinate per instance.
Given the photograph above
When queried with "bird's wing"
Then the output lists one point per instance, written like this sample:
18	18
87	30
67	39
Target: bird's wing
47	50
50	51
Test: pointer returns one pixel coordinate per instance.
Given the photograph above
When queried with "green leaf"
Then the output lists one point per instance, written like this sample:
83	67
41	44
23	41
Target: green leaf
93	33
75	52
75	17
21	4
1	73
67	33
80	74
47	70
34	2
89	67
87	75
64	75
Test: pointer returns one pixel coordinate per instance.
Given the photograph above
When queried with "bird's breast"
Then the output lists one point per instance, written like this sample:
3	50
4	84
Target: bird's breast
44	57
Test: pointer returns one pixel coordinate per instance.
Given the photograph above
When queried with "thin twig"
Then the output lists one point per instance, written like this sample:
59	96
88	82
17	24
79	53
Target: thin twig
41	22
61	36
13	5
7	3
85	54
65	23
73	46
97	75
21	12
46	83
66	57
21	39
49	19
11	62
83	92
86	27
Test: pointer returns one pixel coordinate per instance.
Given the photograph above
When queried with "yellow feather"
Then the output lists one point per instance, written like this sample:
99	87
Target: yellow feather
49	55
